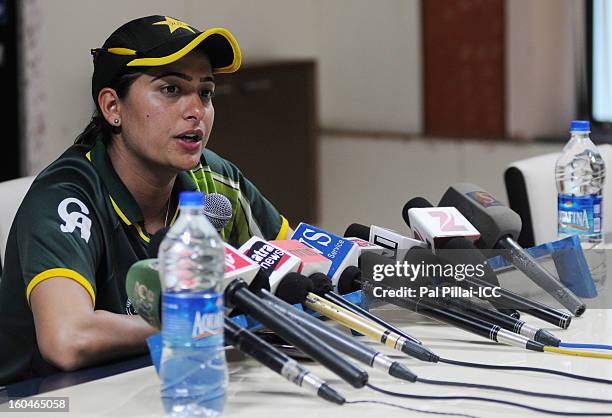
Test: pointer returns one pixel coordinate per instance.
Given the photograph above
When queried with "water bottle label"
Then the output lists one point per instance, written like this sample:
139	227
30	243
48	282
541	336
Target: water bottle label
579	215
190	318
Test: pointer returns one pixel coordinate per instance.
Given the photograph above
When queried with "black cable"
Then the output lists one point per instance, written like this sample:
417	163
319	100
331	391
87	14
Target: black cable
492	400
412	409
525	369
512	390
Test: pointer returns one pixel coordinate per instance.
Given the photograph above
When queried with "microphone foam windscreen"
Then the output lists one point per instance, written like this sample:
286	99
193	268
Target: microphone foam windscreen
321	283
294	288
417	202
218	210
358	231
349	280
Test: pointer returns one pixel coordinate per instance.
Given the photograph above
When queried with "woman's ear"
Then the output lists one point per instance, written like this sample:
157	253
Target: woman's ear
110	107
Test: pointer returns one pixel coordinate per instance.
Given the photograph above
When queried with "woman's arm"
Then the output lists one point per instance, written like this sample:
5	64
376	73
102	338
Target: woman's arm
72	335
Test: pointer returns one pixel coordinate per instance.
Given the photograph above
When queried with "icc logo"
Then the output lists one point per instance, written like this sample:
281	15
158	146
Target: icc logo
75	219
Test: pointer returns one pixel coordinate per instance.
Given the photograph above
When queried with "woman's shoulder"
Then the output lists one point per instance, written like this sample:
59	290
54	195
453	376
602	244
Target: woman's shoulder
71	173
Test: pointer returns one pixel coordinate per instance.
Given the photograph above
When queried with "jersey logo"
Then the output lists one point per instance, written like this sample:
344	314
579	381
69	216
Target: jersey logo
75	219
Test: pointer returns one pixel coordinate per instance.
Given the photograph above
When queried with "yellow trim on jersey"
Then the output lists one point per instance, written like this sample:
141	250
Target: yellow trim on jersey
119	212
61	272
88	155
154	62
142	233
282	234
176	212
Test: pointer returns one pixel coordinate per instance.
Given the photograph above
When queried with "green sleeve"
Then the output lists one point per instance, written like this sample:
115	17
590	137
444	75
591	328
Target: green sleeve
58	234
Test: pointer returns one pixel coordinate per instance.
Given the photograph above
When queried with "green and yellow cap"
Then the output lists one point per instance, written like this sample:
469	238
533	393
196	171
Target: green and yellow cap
159	40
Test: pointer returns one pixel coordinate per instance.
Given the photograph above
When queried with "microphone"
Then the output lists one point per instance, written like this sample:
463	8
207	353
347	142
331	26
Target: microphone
350	279
466	322
236	294
143	287
340	251
146	290
436	310
273	262
508	301
395	243
457	240
269	356
218	210
311	260
499	226
338	340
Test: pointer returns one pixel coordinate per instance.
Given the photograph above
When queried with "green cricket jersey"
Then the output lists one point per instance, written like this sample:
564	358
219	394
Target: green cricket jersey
78	220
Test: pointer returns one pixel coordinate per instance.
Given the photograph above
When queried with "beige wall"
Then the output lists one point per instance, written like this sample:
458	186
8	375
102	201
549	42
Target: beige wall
375	177
369	74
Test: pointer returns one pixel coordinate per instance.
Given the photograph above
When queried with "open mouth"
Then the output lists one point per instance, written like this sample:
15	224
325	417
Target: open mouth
190	137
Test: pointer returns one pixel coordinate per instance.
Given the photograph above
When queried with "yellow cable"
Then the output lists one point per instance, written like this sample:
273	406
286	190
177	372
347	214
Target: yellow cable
565	351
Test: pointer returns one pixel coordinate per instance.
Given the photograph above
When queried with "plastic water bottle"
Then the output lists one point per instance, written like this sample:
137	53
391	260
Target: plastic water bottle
580	173
193	370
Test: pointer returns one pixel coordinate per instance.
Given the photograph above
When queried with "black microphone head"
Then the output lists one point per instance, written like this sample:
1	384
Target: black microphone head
358	231
417	202
294	288
218	210
321	283
349	281
156	240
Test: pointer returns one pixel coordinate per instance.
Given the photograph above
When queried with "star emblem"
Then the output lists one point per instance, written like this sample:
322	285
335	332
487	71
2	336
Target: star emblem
174	24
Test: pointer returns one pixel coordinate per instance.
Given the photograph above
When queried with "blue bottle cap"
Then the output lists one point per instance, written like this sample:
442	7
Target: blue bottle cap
191	199
580	126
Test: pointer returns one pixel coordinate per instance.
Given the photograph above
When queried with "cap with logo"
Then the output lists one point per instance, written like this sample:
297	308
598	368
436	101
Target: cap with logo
156	40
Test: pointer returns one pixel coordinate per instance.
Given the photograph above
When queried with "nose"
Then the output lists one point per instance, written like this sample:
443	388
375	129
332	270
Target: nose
194	108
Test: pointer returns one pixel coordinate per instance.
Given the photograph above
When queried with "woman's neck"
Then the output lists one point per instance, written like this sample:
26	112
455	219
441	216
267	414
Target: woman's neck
151	186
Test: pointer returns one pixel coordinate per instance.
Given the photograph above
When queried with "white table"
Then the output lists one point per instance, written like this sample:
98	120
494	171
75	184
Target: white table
255	391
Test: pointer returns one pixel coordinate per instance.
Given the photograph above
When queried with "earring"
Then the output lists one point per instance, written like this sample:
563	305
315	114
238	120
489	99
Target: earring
116	121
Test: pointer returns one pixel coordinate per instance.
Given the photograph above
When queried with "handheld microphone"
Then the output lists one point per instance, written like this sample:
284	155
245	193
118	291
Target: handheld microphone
436	310
269	356
461	250
144	290
218	210
338	340
499	226
237	294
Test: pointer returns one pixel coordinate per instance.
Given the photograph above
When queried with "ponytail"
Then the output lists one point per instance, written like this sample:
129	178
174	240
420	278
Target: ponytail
98	127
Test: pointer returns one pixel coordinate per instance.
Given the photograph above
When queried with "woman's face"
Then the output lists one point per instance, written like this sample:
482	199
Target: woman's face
167	115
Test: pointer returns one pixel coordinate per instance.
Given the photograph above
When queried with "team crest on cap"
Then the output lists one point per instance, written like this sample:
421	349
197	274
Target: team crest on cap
174	24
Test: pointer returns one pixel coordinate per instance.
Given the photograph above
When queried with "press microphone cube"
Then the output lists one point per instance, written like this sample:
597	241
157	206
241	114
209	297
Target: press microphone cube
312	260
396	244
272	260
490	217
436	226
238	265
366	246
339	250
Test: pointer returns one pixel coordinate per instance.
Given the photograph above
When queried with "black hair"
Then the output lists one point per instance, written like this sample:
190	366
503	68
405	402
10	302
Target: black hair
98	126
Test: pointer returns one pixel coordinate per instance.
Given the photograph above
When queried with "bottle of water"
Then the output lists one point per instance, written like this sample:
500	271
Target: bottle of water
580	175
191	259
